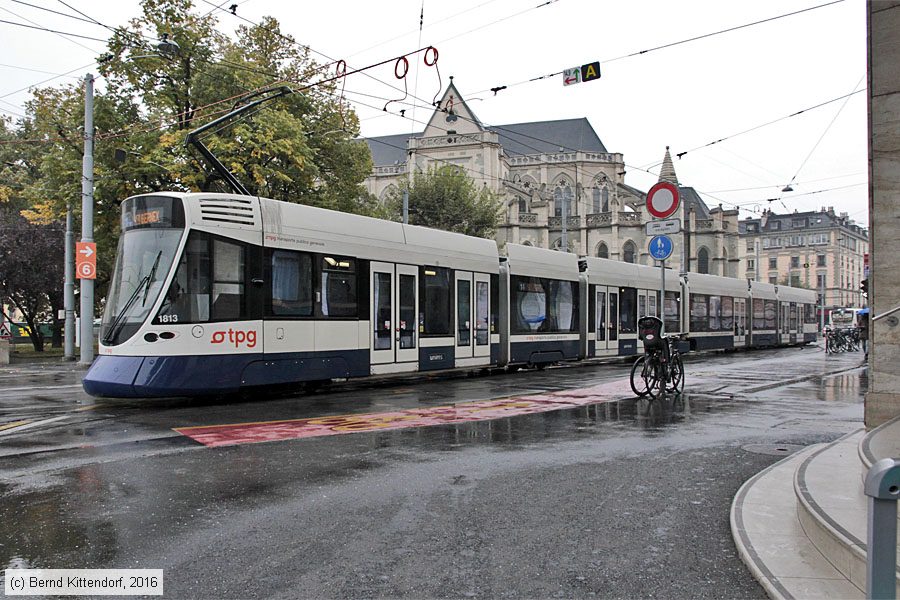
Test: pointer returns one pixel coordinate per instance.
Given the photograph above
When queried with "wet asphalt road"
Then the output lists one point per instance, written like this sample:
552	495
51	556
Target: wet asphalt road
623	499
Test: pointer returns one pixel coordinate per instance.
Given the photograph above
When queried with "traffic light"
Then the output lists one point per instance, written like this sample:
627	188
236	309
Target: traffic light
864	286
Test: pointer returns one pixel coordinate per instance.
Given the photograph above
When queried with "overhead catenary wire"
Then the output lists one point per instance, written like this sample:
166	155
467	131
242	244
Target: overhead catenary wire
763	187
513	134
506	18
43	72
157	127
766	124
572	171
832	189
55	12
498	88
827	128
453	16
47	29
66	74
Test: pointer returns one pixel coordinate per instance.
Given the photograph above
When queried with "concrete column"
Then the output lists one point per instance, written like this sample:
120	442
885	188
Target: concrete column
883	25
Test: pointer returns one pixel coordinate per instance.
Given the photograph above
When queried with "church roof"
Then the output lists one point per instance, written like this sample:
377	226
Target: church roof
548	136
692	200
389	149
516	139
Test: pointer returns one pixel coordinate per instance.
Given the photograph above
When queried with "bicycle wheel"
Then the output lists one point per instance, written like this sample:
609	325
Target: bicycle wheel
655	378
676	375
638	384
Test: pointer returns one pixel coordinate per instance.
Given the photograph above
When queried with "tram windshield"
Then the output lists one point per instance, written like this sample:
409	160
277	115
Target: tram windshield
152	227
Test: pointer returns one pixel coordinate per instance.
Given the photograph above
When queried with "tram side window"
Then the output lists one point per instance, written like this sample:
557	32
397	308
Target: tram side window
562	306
338	292
794	315
771	314
435	296
495	303
601	316
810	314
543	305
759	314
228	281
187	300
381	320
672	311
208	284
699	312
727	318
292	293
715	313
628	310
529	304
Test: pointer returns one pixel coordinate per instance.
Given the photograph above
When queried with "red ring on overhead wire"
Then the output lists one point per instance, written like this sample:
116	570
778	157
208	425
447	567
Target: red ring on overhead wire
405	63
433	62
341	68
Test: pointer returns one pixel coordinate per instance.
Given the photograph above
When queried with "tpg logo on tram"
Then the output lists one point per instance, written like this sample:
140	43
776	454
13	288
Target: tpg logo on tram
235	337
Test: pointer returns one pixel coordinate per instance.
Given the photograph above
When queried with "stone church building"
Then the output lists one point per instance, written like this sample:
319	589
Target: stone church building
545	169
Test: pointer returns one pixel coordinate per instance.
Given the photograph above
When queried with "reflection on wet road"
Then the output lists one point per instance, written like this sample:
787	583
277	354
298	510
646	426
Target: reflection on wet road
608	497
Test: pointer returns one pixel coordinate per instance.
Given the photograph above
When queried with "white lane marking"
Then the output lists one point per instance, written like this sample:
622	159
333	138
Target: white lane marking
32	424
41	387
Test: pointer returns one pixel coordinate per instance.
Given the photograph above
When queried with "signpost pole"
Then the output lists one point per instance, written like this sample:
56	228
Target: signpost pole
87	222
662	295
69	296
662	202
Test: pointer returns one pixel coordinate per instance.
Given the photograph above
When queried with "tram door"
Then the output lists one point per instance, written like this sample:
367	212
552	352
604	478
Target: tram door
472	319
394	335
785	322
607	320
741	334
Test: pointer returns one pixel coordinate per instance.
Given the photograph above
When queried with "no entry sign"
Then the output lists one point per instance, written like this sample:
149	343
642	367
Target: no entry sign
662	200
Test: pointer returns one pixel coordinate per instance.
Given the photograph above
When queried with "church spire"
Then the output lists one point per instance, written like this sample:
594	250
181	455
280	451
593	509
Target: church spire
667	172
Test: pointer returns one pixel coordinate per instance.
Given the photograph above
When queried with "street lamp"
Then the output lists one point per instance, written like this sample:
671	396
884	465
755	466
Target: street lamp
168	48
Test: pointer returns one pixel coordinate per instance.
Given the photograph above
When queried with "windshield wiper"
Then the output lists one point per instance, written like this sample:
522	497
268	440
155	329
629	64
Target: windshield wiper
150	277
118	322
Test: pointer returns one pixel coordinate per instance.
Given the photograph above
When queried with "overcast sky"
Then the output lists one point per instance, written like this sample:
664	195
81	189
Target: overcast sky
684	96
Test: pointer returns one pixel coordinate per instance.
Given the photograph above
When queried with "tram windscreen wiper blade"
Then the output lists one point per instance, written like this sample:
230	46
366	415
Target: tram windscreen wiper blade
150	277
115	326
120	318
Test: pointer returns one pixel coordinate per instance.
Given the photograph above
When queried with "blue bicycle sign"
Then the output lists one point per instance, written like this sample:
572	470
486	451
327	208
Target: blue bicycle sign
661	247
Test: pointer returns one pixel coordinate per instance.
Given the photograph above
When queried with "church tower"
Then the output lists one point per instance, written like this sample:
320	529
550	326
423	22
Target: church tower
667	172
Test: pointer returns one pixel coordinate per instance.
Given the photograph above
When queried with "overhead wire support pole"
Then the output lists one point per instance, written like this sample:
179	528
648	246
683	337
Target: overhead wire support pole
87	222
192	138
69	288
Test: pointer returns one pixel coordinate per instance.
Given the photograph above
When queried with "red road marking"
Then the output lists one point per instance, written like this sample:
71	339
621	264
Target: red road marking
248	433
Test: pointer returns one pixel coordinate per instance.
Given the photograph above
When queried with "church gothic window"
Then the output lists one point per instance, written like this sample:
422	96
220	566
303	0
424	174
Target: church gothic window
600	199
562	194
523	204
629	252
703	261
602	251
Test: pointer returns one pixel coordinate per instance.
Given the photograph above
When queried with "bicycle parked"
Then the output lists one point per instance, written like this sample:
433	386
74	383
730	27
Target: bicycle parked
660	369
842	340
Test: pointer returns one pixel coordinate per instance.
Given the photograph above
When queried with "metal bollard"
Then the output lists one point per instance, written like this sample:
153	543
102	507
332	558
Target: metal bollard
883	489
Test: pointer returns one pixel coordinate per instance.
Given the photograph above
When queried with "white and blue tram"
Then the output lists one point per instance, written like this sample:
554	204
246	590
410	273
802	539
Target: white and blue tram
214	293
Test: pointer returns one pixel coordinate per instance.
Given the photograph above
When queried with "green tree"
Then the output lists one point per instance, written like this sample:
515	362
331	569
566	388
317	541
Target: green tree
446	198
299	148
31	270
